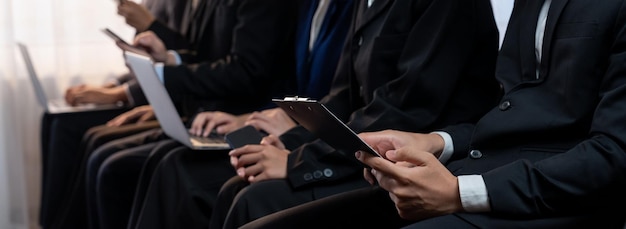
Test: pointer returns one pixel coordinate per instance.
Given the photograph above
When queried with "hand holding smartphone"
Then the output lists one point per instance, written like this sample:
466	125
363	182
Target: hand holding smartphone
123	44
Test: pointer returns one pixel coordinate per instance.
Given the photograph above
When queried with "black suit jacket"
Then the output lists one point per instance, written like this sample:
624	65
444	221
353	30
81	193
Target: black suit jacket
169	12
168	16
555	145
409	65
249	48
190	39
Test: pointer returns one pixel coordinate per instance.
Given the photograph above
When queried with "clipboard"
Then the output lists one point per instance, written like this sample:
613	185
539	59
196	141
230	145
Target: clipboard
320	121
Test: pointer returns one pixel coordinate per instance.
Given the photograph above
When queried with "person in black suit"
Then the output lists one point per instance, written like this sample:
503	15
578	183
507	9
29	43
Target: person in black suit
405	67
61	133
550	155
170	13
173	190
243	43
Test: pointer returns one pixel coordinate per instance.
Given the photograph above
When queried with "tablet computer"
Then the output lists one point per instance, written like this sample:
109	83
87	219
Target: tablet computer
316	118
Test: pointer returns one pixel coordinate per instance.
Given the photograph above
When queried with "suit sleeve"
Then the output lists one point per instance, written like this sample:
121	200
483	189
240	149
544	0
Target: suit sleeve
263	29
461	137
171	39
446	72
295	137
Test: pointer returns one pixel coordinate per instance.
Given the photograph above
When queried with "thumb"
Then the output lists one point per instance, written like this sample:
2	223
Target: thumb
273	140
145	117
416	157
143	38
269	140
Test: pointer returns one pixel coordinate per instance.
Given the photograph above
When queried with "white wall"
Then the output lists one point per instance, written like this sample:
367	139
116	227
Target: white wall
67	48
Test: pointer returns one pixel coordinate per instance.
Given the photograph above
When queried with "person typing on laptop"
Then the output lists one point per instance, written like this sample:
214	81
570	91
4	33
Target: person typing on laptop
236	47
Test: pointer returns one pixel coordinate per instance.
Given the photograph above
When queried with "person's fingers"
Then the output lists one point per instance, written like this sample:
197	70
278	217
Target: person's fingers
146	39
368	176
222	123
198	124
141	38
208	127
254	172
117	121
69	97
145	117
234	161
272	140
415	157
377	163
243	154
249	158
259	116
226	128
71	92
122	10
78	99
241	172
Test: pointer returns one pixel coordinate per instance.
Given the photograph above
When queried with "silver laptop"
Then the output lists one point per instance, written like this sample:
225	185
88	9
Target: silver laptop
164	109
59	105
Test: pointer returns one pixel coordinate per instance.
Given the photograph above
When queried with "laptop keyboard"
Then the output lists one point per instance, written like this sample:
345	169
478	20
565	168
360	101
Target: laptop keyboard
212	138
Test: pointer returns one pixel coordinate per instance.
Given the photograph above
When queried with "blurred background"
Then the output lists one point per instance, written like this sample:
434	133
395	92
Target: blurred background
67	48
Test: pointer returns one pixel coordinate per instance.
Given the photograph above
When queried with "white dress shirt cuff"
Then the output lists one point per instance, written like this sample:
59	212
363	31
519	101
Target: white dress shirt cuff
473	191
448	148
179	61
158	68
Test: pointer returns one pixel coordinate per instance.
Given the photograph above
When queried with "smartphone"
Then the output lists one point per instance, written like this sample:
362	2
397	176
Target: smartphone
114	36
244	136
125	45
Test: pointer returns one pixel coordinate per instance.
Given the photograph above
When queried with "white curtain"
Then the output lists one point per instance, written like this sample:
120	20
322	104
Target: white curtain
67	48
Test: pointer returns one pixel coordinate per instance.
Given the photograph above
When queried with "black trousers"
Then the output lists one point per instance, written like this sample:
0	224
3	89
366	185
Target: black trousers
74	213
61	150
244	203
182	189
371	207
117	180
368	207
147	170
